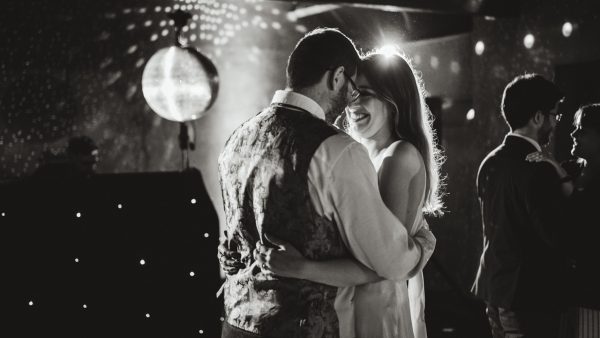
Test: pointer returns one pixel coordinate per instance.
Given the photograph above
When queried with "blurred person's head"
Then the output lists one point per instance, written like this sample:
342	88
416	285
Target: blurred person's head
391	105
83	152
530	105
322	66
586	136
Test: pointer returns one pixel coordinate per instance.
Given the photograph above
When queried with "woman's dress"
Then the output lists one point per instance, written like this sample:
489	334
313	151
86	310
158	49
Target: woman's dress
386	309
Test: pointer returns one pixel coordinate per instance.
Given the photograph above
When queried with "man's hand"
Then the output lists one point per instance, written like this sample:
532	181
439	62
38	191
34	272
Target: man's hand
426	240
228	259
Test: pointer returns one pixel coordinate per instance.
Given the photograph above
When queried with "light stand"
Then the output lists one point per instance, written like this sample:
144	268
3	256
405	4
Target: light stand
181	19
180	84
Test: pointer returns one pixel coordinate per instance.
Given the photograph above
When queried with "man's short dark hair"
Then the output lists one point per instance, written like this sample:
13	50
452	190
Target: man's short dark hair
525	95
320	50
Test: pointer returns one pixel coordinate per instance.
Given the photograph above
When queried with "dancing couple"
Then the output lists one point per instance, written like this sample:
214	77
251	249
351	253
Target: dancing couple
324	193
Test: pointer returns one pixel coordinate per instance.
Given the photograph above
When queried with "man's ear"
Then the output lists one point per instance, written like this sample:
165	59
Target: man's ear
538	118
336	78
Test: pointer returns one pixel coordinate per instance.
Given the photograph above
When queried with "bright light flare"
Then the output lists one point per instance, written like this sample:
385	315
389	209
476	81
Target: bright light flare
389	50
567	29
528	41
471	114
479	47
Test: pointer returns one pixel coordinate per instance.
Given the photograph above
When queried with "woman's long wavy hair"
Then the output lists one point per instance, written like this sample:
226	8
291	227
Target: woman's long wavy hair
392	77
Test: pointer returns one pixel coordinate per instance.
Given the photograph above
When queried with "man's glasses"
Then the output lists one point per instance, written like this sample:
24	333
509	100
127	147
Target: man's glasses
557	116
355	91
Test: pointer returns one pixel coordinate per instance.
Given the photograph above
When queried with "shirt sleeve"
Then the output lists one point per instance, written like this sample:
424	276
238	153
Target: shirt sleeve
350	195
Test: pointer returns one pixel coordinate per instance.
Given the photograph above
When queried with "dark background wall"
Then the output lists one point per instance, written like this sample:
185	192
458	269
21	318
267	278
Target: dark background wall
74	67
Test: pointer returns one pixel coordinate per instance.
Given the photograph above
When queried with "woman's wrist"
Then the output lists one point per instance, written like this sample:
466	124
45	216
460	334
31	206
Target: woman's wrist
305	268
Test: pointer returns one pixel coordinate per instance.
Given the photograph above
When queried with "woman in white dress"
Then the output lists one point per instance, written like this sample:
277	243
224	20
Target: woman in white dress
392	121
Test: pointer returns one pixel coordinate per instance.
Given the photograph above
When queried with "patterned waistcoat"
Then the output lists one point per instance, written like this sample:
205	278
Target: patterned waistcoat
263	172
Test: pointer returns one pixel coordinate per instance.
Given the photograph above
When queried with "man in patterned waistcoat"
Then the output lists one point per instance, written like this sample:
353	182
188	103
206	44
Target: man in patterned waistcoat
288	173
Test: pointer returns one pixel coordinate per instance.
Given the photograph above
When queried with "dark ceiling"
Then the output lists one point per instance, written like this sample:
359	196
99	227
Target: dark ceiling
478	7
407	20
378	26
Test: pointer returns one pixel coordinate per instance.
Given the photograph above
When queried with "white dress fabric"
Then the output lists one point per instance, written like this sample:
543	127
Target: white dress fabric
386	309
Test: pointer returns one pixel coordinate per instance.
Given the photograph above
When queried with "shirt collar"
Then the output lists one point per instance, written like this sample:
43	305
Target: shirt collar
529	139
291	98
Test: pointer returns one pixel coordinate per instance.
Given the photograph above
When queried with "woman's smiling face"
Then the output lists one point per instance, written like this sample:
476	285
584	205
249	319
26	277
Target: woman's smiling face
370	113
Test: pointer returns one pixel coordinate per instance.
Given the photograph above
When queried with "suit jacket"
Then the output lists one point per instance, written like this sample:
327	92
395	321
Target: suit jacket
583	240
522	265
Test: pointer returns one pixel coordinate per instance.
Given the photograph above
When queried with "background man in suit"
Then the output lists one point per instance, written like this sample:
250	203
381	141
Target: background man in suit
522	266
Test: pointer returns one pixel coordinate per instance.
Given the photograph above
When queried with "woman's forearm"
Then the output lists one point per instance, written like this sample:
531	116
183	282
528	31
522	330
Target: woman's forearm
338	272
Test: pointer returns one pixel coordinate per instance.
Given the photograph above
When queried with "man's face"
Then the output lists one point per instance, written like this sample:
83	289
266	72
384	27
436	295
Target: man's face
340	100
547	129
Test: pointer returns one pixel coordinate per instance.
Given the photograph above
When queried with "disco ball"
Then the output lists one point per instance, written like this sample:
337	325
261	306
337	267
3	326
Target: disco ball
179	83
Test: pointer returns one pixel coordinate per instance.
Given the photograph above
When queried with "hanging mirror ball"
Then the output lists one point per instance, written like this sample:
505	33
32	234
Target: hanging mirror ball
179	83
